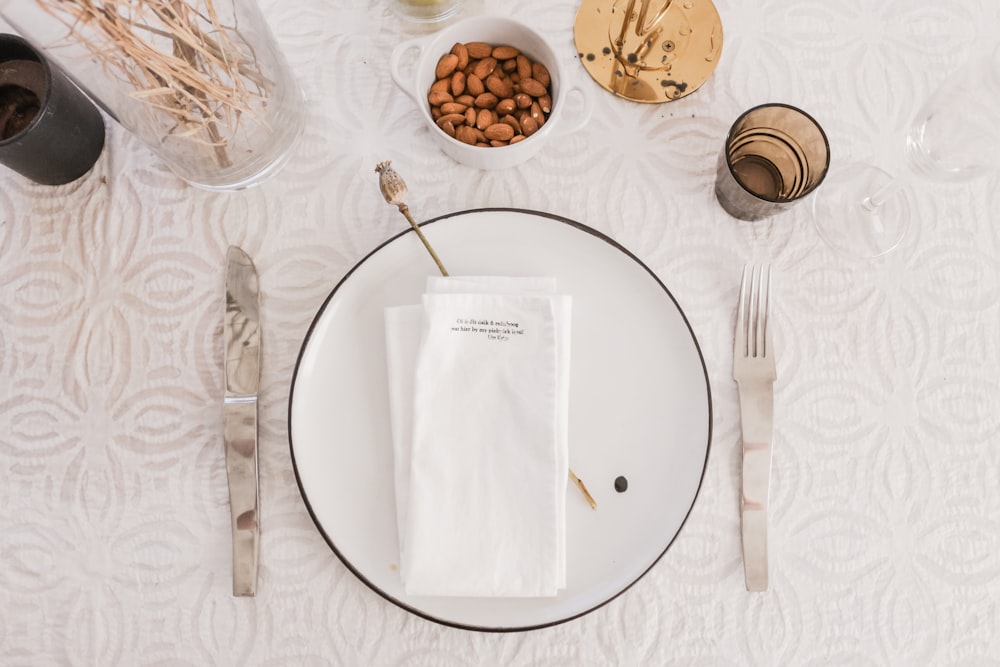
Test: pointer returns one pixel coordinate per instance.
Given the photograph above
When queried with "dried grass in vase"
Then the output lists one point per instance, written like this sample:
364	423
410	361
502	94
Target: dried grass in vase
180	57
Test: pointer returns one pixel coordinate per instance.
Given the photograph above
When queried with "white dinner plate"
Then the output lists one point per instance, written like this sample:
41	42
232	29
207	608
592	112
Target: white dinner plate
640	409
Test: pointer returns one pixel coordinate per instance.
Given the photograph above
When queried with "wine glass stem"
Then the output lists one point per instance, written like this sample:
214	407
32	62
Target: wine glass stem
880	196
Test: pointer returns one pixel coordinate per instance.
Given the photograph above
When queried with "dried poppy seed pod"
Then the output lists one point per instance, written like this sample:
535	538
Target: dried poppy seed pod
391	184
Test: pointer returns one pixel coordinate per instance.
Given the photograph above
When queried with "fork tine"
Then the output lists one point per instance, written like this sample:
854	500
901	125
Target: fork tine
742	339
766	329
761	311
759	316
754	308
752	314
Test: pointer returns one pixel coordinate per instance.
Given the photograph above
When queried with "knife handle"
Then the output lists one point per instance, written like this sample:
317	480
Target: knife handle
240	432
757	418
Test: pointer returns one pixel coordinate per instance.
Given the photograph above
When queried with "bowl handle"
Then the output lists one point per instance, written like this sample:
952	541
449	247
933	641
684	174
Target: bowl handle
395	59
584	116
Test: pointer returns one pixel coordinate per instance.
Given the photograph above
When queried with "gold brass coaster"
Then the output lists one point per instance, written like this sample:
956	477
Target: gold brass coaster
649	50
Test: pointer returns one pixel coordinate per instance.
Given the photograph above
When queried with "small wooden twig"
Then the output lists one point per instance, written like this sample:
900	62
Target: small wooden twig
405	210
583	489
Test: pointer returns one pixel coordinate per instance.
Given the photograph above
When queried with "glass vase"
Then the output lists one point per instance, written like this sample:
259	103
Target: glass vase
201	82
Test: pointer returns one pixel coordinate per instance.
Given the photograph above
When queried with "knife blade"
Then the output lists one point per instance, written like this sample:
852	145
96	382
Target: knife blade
241	340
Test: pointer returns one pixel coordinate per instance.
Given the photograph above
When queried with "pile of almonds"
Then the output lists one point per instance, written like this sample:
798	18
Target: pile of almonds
489	95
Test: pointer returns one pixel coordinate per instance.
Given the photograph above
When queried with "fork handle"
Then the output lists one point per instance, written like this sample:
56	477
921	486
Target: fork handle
757	418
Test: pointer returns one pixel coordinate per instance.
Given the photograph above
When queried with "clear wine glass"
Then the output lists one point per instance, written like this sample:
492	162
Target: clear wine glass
862	211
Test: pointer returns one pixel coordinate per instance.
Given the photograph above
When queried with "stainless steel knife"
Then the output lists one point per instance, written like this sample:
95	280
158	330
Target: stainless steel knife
242	367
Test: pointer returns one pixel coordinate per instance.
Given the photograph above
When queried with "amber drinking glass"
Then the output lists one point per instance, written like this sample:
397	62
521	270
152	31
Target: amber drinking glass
774	156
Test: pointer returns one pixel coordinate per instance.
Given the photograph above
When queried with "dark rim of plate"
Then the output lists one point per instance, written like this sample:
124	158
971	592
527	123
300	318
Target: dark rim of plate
355	570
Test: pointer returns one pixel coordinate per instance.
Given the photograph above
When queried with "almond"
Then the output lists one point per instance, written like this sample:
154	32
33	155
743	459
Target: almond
509	66
506	106
453	107
441	85
529	126
474	85
463	55
483	119
439	97
446	65
523	67
457	83
483	144
436	112
478	49
510	120
485	101
449	129
517	139
536	111
465	134
522	101
533	87
500	87
505	52
470	116
540	74
545	101
497	144
485	67
453	118
499	132
466	99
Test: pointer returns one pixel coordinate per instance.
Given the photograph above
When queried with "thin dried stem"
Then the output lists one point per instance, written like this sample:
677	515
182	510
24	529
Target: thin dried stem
583	489
405	210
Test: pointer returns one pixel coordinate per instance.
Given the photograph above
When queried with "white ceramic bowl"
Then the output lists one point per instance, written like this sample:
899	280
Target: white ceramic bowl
416	82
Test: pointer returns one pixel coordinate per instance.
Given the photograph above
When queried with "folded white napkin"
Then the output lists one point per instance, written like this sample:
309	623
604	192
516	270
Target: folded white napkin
478	391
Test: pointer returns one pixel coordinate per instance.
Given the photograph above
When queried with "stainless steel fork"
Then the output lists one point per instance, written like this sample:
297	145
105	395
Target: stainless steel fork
753	370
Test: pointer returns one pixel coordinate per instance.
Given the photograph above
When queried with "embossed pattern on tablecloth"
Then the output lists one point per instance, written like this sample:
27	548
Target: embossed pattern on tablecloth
885	533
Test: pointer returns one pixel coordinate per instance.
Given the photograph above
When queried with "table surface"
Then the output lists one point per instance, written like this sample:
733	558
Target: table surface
885	537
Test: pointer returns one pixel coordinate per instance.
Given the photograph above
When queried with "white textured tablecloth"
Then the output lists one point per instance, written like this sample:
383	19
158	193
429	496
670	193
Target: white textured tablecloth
885	537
